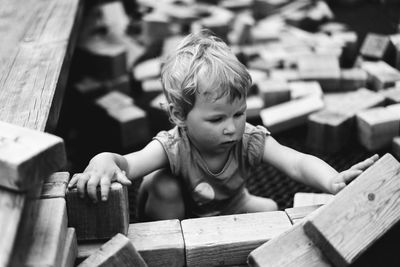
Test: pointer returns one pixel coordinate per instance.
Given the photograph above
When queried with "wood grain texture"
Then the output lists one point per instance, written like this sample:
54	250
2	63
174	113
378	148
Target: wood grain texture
227	240
11	207
28	156
37	42
70	250
297	214
101	220
41	234
55	185
360	214
118	252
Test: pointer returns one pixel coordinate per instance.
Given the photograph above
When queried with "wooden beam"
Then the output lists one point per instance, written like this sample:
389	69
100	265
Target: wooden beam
307	199
101	220
41	234
359	214
70	250
227	240
297	214
55	185
27	156
118	251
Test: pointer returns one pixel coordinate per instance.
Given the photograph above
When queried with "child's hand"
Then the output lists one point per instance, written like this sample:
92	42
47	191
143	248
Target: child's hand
102	170
345	177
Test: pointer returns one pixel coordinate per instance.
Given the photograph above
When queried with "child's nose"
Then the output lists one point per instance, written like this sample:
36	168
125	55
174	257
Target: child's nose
230	127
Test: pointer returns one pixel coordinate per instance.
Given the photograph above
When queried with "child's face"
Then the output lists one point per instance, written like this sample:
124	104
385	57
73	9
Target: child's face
214	126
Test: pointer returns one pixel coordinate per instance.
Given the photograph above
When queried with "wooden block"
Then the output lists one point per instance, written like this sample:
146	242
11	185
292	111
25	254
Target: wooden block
297	214
254	106
349	40
302	199
241	32
155	28
227	240
113	16
284	74
158	114
392	95
55	185
376	47
395	40
152	86
11	207
160	243
219	21
101	220
114	101
257	75
291	248
333	128
353	79
322	68
378	126
118	251
104	56
396	147
70	251
147	69
382	75
290	114
300	89
359	215
27	156
273	92
41	234
89	88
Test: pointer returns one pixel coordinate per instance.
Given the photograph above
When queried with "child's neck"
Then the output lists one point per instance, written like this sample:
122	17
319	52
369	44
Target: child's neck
215	162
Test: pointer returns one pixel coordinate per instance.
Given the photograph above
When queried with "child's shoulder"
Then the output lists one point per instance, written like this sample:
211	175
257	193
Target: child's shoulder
255	130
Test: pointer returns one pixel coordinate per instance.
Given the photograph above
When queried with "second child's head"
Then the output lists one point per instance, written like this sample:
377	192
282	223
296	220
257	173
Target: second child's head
202	66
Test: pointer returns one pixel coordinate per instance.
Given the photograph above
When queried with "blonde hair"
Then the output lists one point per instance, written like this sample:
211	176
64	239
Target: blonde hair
202	56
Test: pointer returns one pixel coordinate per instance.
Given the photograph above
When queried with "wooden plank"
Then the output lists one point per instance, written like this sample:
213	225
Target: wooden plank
70	250
148	69
55	185
297	214
27	156
118	251
227	240
291	248
378	126
392	95
11	206
160	243
299	89
100	220
376	47
35	59
396	147
353	79
307	199
41	234
359	214
290	114
273	92
381	74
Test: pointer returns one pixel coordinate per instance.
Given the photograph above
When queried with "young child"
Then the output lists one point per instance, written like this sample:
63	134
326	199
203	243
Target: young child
199	167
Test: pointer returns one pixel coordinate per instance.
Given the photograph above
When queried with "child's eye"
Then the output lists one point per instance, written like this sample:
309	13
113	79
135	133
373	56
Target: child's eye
239	114
215	120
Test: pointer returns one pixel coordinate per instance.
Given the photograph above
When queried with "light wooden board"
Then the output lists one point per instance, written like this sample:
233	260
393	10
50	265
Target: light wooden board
307	199
118	251
55	185
28	156
359	214
101	220
70	250
297	214
227	240
41	234
38	38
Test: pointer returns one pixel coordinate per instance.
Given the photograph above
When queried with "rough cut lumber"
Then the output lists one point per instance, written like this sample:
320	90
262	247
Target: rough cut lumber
396	147
273	92
38	39
378	126
70	250
101	220
381	74
27	156
160	243
118	251
290	114
359	214
297	214
291	248
227	240
11	207
307	199
41	234
55	185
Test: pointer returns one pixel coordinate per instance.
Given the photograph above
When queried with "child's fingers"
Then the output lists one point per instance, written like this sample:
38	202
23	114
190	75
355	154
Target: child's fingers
73	180
349	175
363	165
105	185
337	187
81	184
92	184
121	178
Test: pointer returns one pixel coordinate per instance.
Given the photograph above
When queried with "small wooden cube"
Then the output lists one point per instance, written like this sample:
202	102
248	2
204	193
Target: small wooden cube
227	240
353	79
101	220
382	75
376	47
118	251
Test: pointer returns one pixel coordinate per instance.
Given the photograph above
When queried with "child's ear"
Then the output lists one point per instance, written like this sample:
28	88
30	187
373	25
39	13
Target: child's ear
176	115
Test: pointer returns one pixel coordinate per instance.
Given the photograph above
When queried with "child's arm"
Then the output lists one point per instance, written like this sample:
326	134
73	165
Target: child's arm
311	170
107	167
